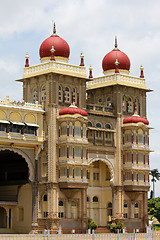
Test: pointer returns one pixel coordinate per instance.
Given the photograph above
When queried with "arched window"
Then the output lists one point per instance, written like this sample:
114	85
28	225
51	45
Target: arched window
45	198
60	94
34	95
70	129
77	129
84	130
75	95
130	105
44	206
136	105
95	199
89	124
124	104
43	94
61	209
109	104
125	205
98	125
109	205
67	95
108	126
140	136
64	128
87	199
60	203
136	205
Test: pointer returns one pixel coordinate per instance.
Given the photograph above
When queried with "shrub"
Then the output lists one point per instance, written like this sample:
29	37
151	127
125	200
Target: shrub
91	224
114	227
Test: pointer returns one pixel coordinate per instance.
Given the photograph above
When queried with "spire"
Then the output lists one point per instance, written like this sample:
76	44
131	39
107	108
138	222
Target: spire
142	74
82	59
115	44
52	53
116	66
90	72
54	29
27	60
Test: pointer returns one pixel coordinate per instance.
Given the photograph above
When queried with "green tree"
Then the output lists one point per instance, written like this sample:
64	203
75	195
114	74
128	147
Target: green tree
155	176
154	207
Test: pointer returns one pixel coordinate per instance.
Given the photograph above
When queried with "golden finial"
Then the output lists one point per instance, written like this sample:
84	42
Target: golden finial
27	56
52	49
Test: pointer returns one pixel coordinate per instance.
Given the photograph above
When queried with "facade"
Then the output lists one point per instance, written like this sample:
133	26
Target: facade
76	147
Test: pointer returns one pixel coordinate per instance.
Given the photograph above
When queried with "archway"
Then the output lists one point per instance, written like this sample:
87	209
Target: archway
3	218
13	169
100	179
15	190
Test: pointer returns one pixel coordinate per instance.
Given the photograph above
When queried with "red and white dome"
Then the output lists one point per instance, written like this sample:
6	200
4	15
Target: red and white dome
135	119
61	47
110	58
73	110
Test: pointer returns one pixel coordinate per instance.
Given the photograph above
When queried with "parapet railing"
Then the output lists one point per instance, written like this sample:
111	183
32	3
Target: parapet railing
53	66
116	79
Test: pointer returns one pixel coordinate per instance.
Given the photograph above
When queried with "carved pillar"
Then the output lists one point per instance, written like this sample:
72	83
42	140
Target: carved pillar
113	205
35	199
34	206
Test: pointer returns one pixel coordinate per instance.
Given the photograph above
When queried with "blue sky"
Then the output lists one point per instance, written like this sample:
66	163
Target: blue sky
89	26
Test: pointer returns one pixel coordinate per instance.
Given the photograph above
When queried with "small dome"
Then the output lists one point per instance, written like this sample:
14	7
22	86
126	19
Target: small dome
60	45
135	119
73	110
110	58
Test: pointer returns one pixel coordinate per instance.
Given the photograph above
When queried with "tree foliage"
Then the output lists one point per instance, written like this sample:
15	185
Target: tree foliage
155	176
154	207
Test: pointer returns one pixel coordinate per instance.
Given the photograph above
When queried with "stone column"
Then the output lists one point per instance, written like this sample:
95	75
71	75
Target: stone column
34	206
84	195
132	210
113	204
35	199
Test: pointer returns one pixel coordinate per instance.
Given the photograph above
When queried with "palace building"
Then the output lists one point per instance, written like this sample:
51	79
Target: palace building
76	147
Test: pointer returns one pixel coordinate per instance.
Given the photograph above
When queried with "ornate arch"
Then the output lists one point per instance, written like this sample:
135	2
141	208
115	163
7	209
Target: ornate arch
107	162
26	158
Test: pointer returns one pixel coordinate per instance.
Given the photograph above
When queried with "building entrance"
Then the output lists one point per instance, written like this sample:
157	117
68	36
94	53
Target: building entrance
3	218
14	190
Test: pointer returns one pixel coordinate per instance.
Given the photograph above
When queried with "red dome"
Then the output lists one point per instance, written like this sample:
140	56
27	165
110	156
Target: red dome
60	45
72	111
109	59
135	119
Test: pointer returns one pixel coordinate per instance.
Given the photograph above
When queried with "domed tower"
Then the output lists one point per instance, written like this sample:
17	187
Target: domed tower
135	168
111	98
